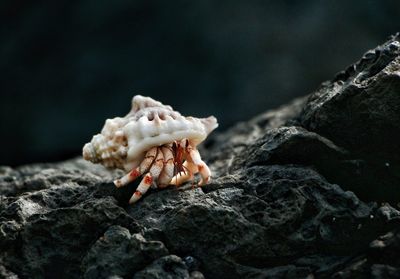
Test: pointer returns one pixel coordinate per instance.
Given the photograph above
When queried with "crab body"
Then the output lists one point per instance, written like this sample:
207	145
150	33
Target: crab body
152	140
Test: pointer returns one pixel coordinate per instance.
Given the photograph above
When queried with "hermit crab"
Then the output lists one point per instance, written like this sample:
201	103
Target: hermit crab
152	141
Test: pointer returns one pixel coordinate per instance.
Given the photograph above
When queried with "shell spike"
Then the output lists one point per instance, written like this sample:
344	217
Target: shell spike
210	123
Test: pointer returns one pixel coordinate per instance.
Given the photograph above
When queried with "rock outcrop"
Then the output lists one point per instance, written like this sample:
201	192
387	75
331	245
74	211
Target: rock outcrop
309	190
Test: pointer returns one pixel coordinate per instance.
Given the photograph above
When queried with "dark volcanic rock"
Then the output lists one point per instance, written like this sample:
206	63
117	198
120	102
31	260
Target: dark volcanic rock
289	145
360	110
168	267
120	253
380	261
277	206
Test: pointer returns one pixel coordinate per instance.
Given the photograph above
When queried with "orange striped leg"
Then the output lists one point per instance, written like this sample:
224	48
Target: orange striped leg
148	159
149	178
135	173
201	166
129	177
168	171
142	188
157	166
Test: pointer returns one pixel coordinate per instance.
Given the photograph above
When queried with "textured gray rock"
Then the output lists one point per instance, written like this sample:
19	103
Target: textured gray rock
360	107
120	253
168	267
360	110
278	206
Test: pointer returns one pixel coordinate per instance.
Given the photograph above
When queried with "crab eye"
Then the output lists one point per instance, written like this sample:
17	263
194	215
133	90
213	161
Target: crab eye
187	143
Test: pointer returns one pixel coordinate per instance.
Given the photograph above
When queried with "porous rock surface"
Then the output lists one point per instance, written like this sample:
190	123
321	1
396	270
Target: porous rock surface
309	190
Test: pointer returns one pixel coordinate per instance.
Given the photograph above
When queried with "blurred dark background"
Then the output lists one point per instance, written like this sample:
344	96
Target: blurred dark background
67	65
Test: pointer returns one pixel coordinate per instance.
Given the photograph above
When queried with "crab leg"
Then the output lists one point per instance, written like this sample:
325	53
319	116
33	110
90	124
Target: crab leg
135	173
182	177
168	171
150	177
142	188
129	177
157	166
201	166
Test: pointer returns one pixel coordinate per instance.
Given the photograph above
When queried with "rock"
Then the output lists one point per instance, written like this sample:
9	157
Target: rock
4	273
286	145
360	110
168	267
380	261
120	253
278	206
59	238
385	249
54	227
196	275
42	176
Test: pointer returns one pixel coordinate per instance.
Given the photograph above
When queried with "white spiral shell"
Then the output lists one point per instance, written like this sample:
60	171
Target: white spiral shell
123	141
